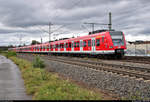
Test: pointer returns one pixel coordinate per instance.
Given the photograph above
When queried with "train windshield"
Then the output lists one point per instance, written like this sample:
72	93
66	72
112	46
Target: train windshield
117	38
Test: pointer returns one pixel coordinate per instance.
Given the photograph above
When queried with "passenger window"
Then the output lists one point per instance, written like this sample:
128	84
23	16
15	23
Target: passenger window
66	45
69	45
89	43
57	46
84	43
72	45
62	45
98	42
77	44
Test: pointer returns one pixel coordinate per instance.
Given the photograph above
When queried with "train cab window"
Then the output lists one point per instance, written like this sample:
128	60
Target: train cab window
97	42
89	43
84	44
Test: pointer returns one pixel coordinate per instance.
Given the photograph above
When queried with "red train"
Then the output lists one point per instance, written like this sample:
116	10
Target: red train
105	43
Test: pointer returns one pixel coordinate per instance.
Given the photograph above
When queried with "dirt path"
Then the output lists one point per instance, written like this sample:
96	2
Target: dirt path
11	83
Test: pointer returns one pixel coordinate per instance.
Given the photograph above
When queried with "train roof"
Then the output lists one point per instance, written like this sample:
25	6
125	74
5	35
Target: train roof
70	39
77	38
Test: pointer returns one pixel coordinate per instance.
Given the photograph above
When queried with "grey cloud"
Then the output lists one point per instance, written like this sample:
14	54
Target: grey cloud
72	4
131	16
12	31
20	13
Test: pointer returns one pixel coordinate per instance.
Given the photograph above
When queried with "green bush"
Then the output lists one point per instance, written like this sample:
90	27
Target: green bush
38	63
10	54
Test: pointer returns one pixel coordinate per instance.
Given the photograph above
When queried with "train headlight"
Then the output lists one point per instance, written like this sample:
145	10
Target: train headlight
110	46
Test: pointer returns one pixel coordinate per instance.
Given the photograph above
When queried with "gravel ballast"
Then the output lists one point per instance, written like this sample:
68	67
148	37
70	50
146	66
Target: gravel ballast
124	86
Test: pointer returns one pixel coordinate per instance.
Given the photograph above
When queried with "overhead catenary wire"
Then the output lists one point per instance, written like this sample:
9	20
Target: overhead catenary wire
109	24
85	28
56	15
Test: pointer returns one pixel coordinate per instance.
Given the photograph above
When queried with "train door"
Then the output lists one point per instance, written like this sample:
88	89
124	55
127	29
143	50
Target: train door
44	48
84	45
54	47
72	46
78	46
102	43
69	46
41	47
49	47
93	45
89	45
105	42
64	46
58	47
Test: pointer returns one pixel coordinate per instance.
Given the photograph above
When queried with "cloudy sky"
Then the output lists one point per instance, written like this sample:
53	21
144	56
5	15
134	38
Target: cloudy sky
22	21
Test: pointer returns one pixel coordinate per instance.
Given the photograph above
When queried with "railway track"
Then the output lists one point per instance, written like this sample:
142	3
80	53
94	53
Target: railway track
137	59
132	71
133	59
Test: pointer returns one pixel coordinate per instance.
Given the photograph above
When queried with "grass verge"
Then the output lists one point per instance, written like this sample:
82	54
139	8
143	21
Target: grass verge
44	85
8	53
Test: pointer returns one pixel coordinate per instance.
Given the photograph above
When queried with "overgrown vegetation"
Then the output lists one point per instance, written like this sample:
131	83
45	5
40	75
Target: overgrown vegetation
8	53
44	85
38	63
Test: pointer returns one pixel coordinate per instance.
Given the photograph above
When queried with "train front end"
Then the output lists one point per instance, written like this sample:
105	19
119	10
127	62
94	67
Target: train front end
118	43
